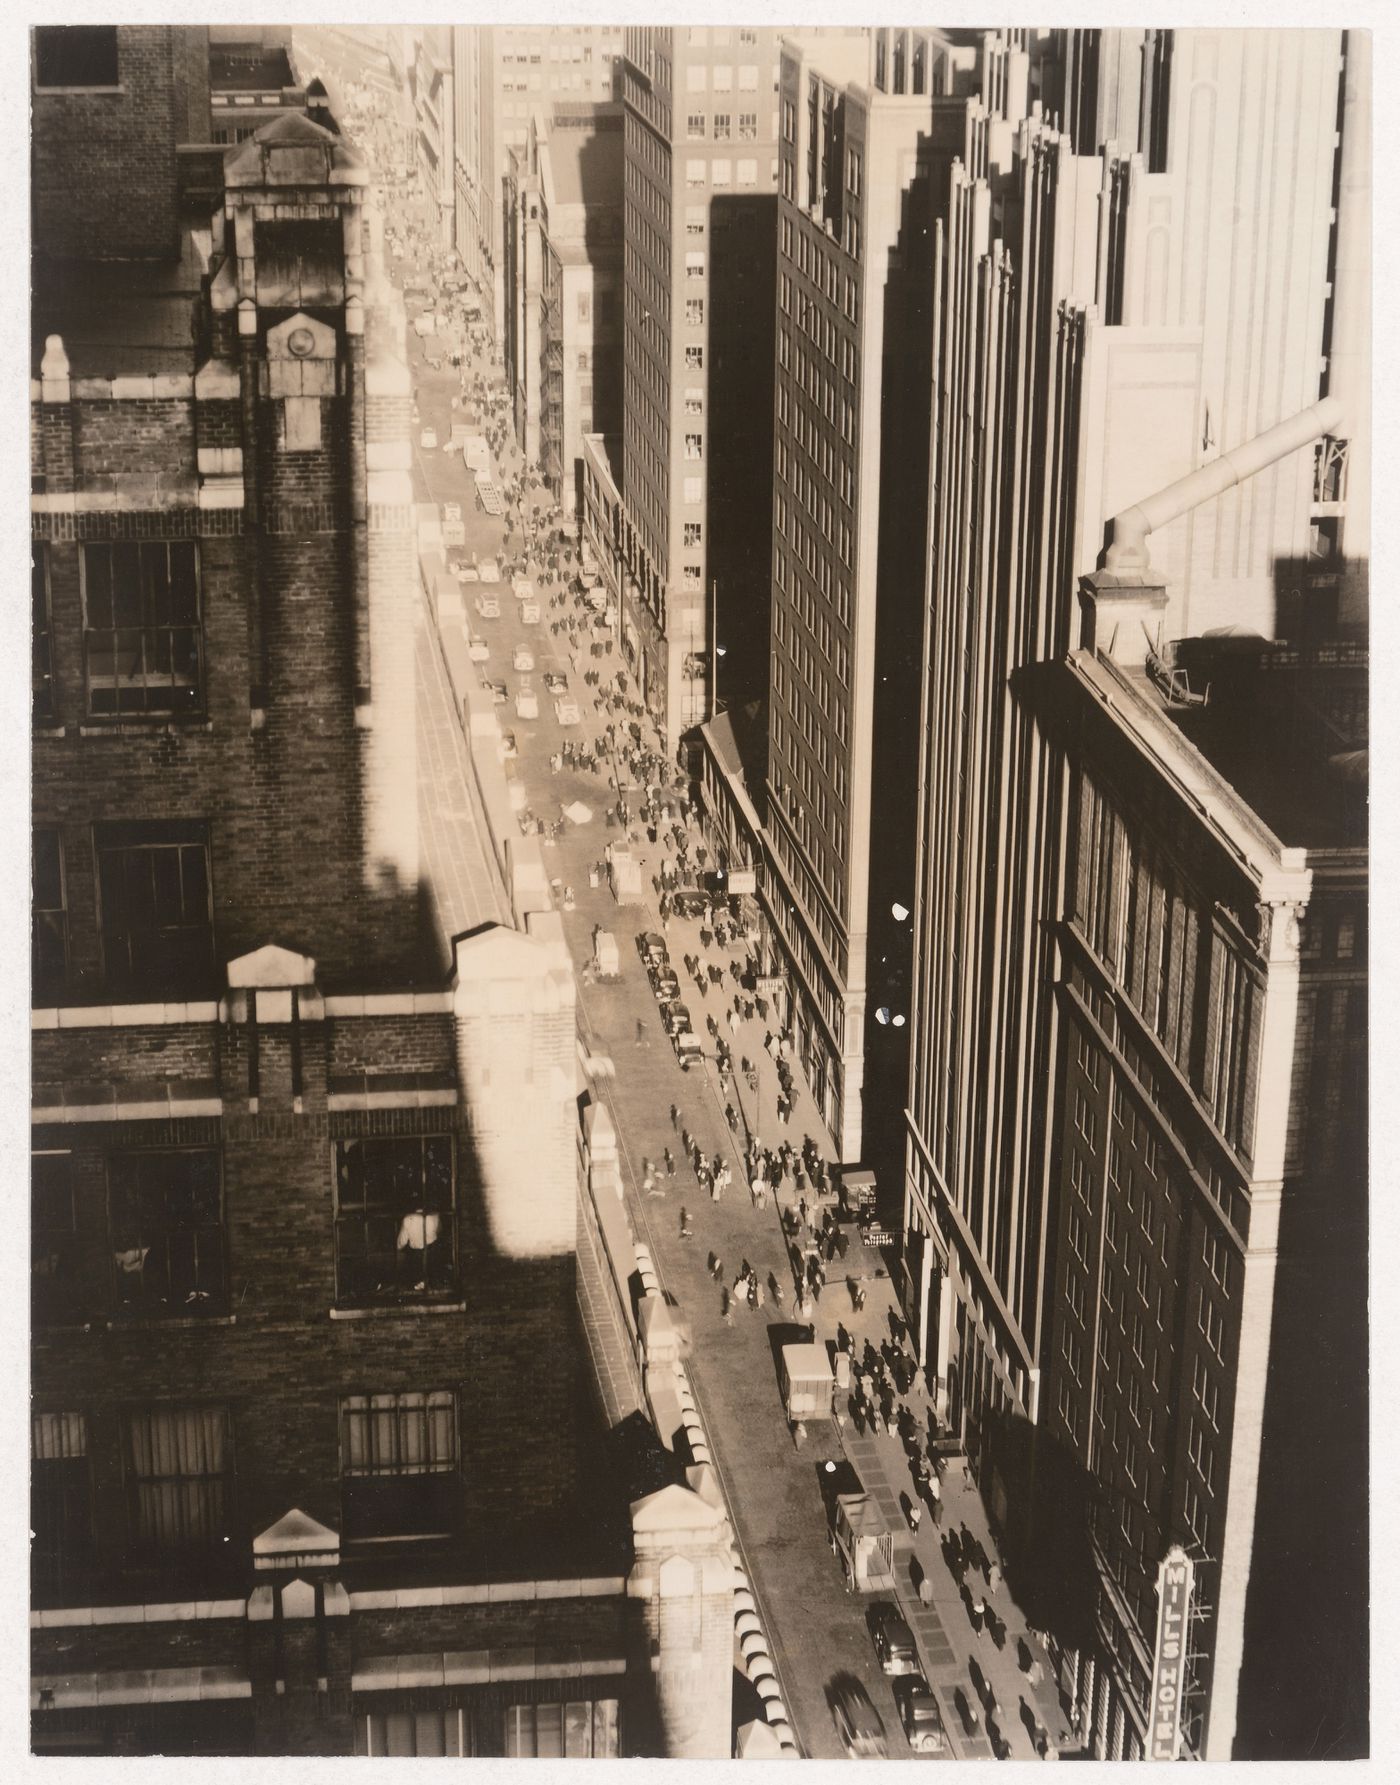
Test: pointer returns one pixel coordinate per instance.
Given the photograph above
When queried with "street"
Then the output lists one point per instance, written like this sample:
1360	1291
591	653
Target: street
816	1628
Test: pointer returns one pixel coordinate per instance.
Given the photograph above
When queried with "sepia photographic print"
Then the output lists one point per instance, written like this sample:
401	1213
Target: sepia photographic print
698	1052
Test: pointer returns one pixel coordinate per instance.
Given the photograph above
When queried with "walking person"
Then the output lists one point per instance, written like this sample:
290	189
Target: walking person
675	1116
978	1613
687	1231
670	1159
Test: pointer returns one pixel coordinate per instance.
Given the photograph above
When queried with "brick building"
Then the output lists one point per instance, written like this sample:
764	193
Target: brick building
313	1464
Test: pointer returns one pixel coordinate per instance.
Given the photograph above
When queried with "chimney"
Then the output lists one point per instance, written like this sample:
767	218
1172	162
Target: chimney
1121	614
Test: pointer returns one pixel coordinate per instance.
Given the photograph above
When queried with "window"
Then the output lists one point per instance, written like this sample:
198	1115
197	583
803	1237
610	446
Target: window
691	575
695	312
691	531
748	77
695	263
695	359
1212	1325
748	173
75	56
695	220
694	400
1074	1354
574	1731
1195	1511
154	904
399	1465
41	641
694	174
415	1734
166	1223
693	489
694	446
585	306
722	77
49	952
1207	1391
179	1477
60	1497
395	1232
142	632
722	127
721	172
748	127
695	126
1217	1259
695	77
52	1238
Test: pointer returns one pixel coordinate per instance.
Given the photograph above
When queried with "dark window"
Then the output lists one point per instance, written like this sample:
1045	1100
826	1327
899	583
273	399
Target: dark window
157	922
395	1232
41	680
399	1466
143	638
75	56
578	1730
51	1237
49	954
179	1476
60	1499
167	1232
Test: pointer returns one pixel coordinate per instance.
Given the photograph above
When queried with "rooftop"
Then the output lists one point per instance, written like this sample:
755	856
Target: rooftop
585	164
1284	727
249	68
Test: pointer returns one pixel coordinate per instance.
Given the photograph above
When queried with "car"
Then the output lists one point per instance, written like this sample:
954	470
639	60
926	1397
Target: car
428	440
920	1715
858	1723
674	1016
688	1049
894	1640
652	947
452	511
499	692
529	613
689	903
508	745
524	658
522	588
566	712
527	702
490	570
556	681
466	573
488	607
478	649
663	979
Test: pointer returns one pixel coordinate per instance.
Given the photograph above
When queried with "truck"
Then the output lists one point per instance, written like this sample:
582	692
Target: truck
625	877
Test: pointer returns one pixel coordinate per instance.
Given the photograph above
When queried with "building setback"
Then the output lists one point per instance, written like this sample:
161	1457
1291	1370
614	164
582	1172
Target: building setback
1114	314
563	318
310	1471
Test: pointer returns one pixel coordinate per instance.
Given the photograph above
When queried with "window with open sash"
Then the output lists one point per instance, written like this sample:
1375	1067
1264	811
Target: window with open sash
579	1730
399	1466
179	1478
52	1237
143	635
395	1229
167	1232
155	905
60	1498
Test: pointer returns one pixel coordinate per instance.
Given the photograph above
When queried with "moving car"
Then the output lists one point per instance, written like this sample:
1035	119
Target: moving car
566	712
920	1715
527	702
674	1017
490	570
522	588
488	607
499	692
556	681
466	573
529	613
858	1722
507	744
689	902
478	650
452	511
428	440
524	658
894	1640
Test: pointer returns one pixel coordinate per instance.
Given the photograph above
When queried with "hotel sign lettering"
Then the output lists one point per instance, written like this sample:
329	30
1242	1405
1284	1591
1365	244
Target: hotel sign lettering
1175	1578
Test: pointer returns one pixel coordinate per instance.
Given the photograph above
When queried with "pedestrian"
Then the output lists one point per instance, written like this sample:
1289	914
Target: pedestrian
670	1160
675	1116
648	1175
641	1040
726	1307
978	1613
934	1492
916	1514
687	1230
925	1588
994	1577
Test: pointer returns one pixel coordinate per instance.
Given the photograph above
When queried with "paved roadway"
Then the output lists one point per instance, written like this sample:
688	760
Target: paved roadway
816	1629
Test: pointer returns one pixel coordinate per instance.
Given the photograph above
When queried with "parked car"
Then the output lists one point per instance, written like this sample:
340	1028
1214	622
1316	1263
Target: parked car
858	1722
894	1640
920	1715
674	1017
665	984
428	440
488	607
499	692
689	903
652	947
524	658
688	1050
478	650
527	702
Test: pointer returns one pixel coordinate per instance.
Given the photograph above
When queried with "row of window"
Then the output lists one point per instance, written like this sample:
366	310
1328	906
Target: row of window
395	1225
143	630
400	1478
720	125
721	173
584	1729
718	77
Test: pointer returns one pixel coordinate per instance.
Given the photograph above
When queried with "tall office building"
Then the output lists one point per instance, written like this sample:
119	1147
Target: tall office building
434	124
1105	1156
700	179
869	133
505	74
306	1418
